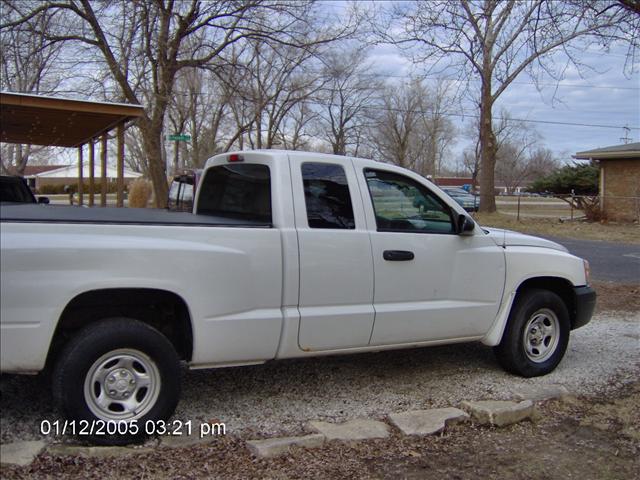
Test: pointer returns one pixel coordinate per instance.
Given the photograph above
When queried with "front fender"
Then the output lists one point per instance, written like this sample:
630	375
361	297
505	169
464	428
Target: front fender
525	263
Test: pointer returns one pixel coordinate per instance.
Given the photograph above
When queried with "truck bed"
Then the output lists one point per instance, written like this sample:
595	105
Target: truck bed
18	213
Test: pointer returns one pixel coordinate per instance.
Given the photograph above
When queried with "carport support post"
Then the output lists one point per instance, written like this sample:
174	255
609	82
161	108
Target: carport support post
92	165
103	176
120	197
80	177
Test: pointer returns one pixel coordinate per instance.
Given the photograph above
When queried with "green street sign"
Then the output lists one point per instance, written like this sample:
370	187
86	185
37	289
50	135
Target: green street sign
180	138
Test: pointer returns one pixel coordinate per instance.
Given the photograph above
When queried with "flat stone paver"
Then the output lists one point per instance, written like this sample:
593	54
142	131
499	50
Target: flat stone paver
272	447
499	412
21	453
96	452
359	429
427	422
541	393
195	438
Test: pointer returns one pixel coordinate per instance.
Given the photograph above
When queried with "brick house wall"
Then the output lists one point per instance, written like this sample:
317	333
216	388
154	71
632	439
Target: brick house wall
620	189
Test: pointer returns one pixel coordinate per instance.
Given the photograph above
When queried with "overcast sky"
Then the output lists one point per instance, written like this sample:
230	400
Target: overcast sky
599	97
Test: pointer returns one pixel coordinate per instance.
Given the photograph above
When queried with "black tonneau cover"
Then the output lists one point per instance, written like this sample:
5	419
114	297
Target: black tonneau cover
20	213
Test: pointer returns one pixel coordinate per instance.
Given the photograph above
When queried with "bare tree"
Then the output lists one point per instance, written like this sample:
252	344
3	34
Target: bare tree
520	155
495	42
159	45
266	83
630	30
28	65
350	89
515	141
295	127
199	108
412	130
439	131
397	122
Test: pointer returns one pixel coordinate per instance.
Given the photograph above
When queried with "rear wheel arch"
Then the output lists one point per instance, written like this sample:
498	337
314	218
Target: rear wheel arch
163	310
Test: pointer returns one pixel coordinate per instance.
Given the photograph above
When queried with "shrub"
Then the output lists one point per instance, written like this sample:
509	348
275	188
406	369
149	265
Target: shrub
581	179
112	187
139	193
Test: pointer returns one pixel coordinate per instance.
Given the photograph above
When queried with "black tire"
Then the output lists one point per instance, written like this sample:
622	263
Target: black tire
536	335
116	370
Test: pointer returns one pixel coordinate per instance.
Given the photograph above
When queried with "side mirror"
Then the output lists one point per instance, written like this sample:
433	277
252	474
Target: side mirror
465	225
43	200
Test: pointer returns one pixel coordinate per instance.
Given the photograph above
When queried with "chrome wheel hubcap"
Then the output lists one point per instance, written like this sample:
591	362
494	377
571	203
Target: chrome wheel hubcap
122	385
541	335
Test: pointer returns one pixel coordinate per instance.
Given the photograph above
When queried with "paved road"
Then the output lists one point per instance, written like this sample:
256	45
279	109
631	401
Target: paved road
613	262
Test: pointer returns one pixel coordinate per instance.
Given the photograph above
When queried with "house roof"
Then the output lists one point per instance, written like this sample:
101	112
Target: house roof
31	170
452	181
629	151
71	171
42	120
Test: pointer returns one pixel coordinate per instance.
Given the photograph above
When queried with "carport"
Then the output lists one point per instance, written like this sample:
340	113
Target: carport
42	120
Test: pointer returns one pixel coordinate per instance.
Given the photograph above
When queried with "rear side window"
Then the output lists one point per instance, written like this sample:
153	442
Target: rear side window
326	195
241	192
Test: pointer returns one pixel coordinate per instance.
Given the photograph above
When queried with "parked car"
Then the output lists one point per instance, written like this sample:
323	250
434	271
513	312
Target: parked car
15	190
467	201
182	191
286	255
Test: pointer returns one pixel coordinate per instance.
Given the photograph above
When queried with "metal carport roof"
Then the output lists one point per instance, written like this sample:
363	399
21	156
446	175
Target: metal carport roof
62	122
41	120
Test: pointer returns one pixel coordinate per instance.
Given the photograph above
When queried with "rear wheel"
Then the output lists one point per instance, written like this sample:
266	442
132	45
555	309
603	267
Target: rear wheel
536	335
117	370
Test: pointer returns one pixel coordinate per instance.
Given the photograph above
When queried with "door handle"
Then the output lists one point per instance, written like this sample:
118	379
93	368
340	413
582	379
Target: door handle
397	255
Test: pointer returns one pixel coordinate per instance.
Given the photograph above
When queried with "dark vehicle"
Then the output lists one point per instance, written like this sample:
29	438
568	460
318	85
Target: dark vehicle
15	190
467	201
183	190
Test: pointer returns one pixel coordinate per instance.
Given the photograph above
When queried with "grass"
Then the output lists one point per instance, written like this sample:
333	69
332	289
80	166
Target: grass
611	232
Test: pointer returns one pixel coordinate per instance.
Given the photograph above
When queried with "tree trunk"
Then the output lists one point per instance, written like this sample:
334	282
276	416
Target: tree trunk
152	142
488	150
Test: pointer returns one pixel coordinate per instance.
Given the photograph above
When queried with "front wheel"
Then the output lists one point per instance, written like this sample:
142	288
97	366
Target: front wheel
117	370
536	336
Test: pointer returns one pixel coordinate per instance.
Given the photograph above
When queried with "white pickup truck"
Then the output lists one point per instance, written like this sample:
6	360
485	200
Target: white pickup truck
287	254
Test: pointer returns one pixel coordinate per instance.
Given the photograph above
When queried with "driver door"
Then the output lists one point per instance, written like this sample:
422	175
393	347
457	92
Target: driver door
430	283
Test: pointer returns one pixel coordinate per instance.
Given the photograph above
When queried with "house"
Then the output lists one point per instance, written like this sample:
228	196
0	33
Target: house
619	180
452	181
68	175
30	172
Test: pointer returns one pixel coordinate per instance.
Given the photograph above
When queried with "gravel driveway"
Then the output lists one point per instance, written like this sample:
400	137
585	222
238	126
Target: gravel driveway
281	397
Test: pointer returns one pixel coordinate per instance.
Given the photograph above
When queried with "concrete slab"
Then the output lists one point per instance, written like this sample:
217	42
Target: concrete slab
21	453
359	429
541	393
427	422
499	412
272	447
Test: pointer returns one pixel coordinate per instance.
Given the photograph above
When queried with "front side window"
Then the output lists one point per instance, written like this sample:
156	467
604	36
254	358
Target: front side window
326	195
403	205
239	191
